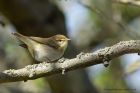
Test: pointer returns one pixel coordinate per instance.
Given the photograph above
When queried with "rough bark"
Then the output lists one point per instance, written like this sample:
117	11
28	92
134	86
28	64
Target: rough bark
82	60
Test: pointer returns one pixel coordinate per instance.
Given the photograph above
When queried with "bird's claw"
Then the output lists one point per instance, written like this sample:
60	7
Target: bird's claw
61	60
80	55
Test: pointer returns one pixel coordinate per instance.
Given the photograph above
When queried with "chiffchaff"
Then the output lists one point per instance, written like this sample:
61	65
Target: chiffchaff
45	49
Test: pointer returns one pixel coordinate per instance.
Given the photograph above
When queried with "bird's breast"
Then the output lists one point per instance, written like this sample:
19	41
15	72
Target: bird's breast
46	53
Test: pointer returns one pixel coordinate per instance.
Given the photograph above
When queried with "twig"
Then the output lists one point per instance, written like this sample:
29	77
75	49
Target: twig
128	2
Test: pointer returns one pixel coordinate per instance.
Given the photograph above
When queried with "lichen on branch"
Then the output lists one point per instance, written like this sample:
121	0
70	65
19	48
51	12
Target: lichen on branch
82	60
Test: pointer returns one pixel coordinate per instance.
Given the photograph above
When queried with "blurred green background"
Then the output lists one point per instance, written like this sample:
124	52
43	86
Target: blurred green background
91	24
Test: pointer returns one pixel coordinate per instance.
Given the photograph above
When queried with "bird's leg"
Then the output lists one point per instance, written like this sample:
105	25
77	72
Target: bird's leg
48	60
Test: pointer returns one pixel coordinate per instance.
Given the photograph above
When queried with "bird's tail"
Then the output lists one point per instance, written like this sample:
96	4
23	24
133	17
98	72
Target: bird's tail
17	34
22	38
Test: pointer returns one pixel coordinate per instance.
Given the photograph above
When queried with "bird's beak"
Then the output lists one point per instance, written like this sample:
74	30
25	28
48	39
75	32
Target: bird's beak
68	39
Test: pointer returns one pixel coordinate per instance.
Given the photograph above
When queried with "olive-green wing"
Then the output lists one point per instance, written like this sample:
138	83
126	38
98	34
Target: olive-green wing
47	41
39	40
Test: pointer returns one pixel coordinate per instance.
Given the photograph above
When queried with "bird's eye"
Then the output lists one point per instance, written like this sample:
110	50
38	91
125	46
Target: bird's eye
59	40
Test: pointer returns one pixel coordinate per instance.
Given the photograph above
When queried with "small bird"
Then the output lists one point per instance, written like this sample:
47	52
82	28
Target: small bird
44	49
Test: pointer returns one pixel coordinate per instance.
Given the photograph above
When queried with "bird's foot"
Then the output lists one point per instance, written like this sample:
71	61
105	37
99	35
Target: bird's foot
80	55
61	60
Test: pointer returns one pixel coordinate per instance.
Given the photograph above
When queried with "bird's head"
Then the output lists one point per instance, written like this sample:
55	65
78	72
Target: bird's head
61	41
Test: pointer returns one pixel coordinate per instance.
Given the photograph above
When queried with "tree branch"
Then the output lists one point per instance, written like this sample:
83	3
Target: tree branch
82	60
124	27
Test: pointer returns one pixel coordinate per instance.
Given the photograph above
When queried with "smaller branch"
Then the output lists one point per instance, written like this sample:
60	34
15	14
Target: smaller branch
82	60
124	27
128	2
